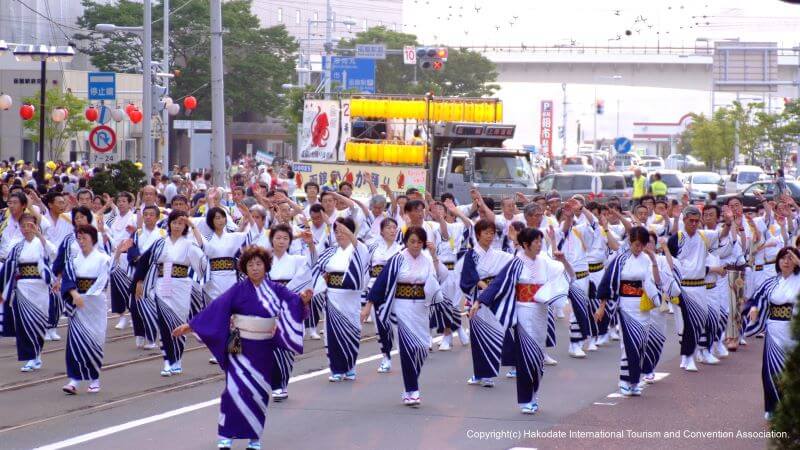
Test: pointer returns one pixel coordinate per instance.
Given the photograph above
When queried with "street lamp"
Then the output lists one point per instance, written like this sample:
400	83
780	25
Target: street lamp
42	54
147	82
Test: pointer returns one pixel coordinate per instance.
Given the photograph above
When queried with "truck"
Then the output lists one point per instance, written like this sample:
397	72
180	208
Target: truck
433	144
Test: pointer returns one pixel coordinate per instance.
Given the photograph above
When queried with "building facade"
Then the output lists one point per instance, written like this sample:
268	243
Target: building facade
20	80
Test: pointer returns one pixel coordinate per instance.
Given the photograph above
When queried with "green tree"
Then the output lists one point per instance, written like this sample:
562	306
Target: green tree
748	129
786	418
122	176
466	73
777	134
726	127
56	135
706	136
257	60
685	142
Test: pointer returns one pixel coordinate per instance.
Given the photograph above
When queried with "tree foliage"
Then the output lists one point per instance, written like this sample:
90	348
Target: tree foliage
122	176
56	135
786	418
762	136
706	136
257	60
466	73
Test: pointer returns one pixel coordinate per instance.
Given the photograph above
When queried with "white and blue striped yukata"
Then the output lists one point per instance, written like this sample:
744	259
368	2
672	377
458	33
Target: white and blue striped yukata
345	272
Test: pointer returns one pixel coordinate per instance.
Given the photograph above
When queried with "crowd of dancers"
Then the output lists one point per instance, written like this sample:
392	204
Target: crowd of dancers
252	274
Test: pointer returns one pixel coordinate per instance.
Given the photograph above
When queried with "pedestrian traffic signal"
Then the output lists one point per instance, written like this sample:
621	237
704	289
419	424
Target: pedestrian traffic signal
600	106
432	58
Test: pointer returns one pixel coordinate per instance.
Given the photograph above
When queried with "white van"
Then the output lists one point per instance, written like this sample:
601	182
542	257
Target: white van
742	176
626	161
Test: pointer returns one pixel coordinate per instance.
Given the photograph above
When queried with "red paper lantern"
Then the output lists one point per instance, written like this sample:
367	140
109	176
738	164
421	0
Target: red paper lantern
136	116
26	111
91	114
190	103
130	107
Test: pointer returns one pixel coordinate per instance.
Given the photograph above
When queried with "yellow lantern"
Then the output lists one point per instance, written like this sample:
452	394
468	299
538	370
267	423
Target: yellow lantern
390	151
348	150
418	110
380	153
362	152
372	152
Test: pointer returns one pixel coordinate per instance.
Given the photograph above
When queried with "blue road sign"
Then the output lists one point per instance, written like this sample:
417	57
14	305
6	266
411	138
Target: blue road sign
102	85
360	73
622	145
104	115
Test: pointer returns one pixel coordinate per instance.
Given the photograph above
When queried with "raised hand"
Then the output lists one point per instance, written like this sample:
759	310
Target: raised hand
306	296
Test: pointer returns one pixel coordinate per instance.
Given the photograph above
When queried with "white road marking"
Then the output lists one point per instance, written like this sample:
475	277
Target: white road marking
604	403
185	410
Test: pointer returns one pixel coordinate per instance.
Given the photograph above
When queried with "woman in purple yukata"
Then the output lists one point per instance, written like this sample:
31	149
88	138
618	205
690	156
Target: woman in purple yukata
242	328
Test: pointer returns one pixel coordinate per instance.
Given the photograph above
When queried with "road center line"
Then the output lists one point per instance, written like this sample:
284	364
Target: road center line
184	410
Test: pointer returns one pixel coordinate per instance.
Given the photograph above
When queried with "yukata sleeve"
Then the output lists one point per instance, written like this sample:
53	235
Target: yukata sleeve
289	334
492	294
213	324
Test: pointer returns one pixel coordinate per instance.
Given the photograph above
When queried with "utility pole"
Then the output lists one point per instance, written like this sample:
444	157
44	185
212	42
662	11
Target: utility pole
594	115
165	68
217	97
563	119
328	47
147	91
735	136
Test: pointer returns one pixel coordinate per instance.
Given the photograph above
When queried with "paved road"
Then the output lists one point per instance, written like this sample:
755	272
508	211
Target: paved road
138	409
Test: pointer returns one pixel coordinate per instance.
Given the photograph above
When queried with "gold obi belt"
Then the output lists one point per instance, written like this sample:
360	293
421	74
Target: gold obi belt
409	291
216	264
178	271
28	271
84	284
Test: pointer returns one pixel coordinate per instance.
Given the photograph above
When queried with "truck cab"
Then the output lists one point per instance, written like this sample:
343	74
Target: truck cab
468	156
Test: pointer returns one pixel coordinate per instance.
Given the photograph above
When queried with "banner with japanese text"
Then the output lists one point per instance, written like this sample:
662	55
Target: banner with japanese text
546	128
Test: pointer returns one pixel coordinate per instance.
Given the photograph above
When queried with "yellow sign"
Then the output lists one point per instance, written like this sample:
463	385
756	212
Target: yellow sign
399	178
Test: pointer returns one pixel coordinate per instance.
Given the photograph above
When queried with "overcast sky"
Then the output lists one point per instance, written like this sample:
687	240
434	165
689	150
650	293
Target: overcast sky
604	22
591	22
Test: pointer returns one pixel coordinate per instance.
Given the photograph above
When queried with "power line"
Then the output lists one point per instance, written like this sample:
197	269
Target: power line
189	2
51	20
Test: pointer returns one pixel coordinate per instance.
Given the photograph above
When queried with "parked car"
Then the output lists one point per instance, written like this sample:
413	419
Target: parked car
569	184
651	158
626	161
742	176
613	184
598	159
767	190
652	165
597	186
701	184
686	163
672	178
576	164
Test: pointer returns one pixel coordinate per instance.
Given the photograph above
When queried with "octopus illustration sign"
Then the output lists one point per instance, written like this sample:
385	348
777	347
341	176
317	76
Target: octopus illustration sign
320	131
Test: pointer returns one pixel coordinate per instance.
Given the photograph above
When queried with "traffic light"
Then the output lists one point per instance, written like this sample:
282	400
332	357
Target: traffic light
600	106
432	58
